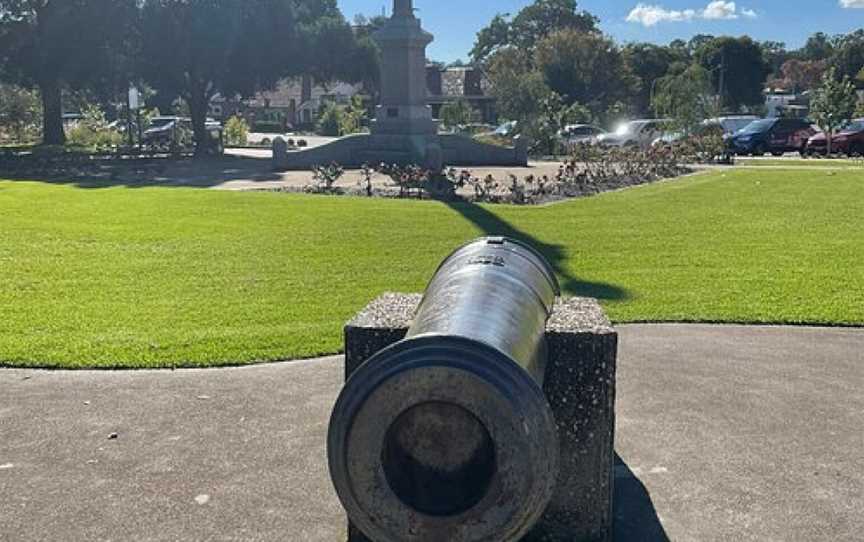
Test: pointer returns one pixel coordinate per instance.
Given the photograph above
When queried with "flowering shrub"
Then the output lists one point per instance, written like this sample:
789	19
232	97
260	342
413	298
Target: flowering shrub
325	178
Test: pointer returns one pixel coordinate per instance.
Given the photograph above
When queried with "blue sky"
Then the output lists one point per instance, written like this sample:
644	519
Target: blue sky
455	23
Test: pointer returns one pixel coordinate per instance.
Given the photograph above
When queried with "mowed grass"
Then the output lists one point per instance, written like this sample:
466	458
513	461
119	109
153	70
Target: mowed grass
170	277
797	162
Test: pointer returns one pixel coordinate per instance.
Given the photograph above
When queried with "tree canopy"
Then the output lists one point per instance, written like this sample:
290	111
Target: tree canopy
687	98
531	25
848	57
834	103
52	44
738	70
649	63
197	48
586	68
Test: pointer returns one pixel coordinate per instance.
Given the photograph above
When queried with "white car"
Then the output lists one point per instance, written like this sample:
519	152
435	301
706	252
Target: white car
636	133
577	134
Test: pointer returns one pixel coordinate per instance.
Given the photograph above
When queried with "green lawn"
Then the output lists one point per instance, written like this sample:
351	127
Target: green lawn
161	277
796	162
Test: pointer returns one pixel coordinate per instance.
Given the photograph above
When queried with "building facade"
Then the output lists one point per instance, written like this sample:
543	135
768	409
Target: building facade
293	105
448	85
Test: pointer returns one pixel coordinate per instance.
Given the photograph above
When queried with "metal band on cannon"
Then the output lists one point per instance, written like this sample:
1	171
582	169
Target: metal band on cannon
447	434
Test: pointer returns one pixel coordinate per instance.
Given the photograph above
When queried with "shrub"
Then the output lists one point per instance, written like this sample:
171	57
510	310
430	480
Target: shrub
338	120
93	133
456	114
407	178
325	178
20	114
237	132
331	121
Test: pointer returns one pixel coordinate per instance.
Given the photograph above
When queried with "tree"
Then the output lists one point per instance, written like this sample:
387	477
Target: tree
649	63
587	68
328	41
738	68
697	41
687	98
531	25
52	44
491	38
818	47
518	88
20	111
456	113
848	57
775	55
833	104
800	75
197	48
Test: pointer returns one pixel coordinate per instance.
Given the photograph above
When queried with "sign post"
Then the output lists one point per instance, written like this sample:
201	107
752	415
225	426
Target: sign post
134	105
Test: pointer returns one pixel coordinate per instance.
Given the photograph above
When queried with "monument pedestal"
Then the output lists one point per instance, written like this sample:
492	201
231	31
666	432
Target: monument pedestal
403	131
580	387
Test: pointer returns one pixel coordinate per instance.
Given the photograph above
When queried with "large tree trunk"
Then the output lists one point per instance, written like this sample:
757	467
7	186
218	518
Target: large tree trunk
52	113
198	111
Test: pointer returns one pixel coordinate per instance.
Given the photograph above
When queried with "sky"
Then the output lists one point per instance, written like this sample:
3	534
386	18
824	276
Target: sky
455	22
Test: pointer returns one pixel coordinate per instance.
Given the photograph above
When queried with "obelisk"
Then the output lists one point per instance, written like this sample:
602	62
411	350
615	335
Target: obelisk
403	110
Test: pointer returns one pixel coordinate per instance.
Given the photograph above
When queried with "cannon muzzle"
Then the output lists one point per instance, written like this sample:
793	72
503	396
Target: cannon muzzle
447	435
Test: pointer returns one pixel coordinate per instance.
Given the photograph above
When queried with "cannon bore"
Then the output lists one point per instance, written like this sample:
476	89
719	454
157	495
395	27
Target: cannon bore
447	435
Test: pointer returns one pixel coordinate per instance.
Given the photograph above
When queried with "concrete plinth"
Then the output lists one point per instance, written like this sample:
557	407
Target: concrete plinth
580	388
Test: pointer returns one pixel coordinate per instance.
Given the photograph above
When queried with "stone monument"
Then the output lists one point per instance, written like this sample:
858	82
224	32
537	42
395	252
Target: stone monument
403	131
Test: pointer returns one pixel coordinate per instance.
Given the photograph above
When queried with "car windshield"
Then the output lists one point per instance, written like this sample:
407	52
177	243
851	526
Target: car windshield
160	122
759	126
854	126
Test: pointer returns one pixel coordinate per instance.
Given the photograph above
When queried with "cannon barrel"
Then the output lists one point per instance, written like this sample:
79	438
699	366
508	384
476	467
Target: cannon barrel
447	435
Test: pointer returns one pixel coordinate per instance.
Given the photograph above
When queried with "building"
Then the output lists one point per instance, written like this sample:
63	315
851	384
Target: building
447	85
292	105
787	104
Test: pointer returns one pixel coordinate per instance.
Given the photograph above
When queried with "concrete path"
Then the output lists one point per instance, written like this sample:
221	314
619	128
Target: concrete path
725	433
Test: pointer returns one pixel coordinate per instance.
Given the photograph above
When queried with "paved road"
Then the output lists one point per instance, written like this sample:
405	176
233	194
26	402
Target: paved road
728	433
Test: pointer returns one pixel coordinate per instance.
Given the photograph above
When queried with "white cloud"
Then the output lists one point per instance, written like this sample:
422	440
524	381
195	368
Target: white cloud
852	4
652	15
720	10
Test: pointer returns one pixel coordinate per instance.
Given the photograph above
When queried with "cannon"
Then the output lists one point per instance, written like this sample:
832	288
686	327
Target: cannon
448	434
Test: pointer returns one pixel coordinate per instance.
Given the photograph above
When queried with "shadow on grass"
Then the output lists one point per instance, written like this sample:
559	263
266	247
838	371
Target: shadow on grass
492	224
204	172
634	513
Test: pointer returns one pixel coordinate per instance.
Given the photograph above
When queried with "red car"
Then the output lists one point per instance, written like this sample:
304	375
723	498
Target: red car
848	141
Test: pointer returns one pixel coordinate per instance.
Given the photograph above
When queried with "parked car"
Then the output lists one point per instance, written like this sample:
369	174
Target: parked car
777	136
635	133
733	123
849	141
507	129
475	129
70	120
176	133
576	134
720	126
